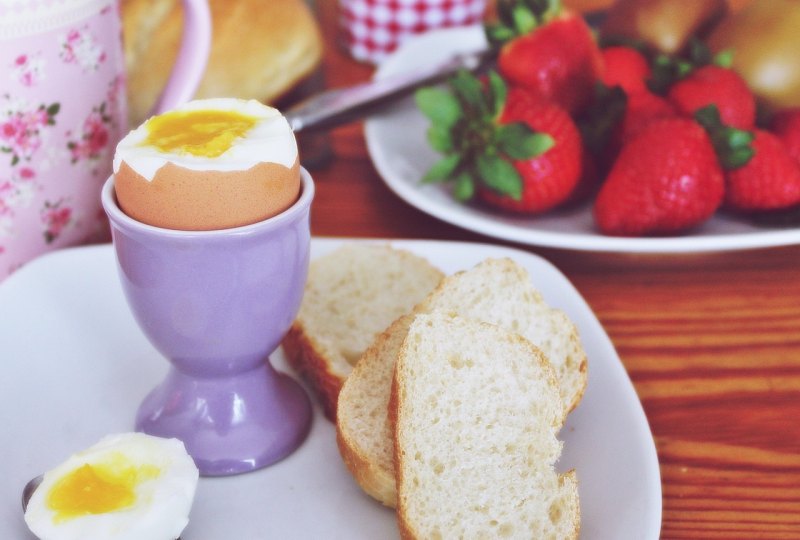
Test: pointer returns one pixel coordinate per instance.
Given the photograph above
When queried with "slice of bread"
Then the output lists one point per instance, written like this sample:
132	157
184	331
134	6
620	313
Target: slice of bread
500	291
352	294
497	291
476	411
363	431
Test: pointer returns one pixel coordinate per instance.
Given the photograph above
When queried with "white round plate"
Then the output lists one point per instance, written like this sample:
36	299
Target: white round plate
76	367
398	147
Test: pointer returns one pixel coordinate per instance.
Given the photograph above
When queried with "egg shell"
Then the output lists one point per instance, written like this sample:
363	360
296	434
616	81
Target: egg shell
194	200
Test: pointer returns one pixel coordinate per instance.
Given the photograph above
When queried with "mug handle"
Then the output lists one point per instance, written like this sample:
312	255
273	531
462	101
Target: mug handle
192	56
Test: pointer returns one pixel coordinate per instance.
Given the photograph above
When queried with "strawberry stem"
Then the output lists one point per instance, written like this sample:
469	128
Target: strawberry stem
732	145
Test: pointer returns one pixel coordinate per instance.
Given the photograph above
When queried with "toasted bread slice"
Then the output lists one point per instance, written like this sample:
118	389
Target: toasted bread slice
496	291
476	410
352	294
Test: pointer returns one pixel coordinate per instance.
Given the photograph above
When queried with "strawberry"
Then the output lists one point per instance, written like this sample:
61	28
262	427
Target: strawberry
553	54
513	150
642	109
719	86
617	117
550	178
760	174
770	180
665	180
786	125
625	67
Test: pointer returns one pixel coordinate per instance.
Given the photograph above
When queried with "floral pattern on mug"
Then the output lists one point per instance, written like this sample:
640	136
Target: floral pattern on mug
56	217
21	128
78	47
92	140
15	192
28	69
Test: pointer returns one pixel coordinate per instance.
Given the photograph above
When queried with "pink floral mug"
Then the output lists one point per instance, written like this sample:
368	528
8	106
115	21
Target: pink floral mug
62	111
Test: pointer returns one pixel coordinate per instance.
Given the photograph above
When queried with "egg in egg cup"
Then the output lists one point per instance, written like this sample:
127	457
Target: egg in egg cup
216	303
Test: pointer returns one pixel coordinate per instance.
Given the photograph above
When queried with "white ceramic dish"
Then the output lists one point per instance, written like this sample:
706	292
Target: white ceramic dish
399	149
76	367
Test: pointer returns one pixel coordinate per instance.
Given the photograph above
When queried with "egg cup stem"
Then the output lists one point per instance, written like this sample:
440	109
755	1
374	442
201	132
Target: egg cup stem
216	304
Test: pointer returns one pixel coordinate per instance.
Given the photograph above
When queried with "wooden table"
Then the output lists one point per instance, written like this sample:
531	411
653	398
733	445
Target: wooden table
711	342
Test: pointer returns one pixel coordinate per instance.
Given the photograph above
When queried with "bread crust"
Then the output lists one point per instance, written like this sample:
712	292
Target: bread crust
301	352
370	478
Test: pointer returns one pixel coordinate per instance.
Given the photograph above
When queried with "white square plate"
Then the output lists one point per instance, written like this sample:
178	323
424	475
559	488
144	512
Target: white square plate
76	367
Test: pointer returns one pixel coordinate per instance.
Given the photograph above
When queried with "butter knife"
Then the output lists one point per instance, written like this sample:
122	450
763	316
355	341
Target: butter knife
339	106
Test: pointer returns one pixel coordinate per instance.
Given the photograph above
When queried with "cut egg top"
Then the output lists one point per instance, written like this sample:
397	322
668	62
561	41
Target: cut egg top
208	164
129	486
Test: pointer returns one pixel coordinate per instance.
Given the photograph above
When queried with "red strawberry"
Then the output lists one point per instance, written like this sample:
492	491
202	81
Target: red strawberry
770	180
719	86
786	125
643	108
665	180
550	178
559	61
514	150
616	118
625	67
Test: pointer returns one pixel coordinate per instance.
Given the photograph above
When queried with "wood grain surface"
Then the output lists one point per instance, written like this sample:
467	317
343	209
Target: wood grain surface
711	341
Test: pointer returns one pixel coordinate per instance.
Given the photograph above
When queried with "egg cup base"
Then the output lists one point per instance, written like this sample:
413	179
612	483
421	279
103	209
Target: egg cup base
230	425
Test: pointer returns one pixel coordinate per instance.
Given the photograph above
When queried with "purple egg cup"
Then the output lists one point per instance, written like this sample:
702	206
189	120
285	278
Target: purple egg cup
216	304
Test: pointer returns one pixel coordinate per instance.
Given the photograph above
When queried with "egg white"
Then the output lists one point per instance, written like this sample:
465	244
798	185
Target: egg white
271	139
161	509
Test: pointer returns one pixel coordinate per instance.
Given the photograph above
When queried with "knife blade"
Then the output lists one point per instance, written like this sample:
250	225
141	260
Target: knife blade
342	105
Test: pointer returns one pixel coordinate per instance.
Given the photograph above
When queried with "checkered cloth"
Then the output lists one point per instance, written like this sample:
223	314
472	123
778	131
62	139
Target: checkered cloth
374	28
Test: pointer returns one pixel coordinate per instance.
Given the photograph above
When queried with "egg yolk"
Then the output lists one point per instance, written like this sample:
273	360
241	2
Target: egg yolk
98	488
199	133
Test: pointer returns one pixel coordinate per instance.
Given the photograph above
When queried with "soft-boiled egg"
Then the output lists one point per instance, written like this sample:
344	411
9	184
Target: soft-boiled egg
208	164
129	486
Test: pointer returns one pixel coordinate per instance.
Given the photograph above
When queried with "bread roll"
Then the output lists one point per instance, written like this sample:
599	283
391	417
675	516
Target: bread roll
259	50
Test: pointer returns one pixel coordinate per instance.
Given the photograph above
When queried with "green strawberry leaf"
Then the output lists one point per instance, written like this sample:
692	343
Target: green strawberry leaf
500	175
737	157
439	106
468	89
524	19
739	138
519	17
442	170
708	117
731	145
519	141
440	138
723	59
498	92
497	34
464	188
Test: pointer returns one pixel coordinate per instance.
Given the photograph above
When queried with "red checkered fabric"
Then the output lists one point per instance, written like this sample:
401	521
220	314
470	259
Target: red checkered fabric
374	28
